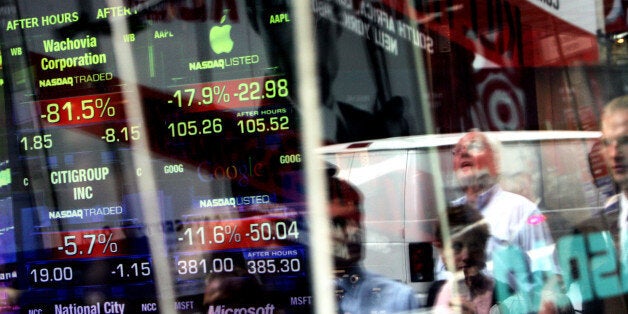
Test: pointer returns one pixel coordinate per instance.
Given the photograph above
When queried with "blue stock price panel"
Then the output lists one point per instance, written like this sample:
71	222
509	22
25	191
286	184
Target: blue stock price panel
60	274
274	261
198	266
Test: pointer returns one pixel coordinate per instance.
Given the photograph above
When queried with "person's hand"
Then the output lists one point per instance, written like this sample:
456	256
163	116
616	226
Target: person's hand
460	304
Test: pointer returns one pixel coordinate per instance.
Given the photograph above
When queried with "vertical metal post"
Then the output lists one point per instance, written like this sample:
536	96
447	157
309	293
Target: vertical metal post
311	135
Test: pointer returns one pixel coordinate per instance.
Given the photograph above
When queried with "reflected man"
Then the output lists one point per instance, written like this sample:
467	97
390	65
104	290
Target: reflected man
470	290
358	290
615	151
513	219
612	218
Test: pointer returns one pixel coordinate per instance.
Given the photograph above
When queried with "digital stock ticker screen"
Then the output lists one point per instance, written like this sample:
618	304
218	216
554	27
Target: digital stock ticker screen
151	146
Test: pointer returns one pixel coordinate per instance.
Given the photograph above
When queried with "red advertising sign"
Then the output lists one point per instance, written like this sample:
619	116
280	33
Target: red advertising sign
509	33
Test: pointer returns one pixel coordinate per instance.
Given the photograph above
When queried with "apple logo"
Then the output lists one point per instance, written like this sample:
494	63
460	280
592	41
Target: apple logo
220	38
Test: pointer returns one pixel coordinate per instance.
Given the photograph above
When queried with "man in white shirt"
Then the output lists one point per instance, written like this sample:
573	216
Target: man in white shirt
513	219
615	151
612	218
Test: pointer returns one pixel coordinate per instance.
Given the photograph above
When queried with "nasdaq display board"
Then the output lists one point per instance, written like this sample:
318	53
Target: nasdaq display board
150	146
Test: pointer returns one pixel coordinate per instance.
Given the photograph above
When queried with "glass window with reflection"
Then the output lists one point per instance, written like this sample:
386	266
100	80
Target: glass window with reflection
469	156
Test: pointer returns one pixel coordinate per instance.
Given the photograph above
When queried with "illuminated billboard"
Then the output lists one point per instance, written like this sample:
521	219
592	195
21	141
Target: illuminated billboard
155	148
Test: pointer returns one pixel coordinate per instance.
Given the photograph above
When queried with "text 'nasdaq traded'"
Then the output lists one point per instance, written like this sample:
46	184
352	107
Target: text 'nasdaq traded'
86	212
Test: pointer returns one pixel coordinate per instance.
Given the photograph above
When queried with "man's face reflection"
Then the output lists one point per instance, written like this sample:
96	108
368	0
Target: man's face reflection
615	145
473	156
469	254
347	232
